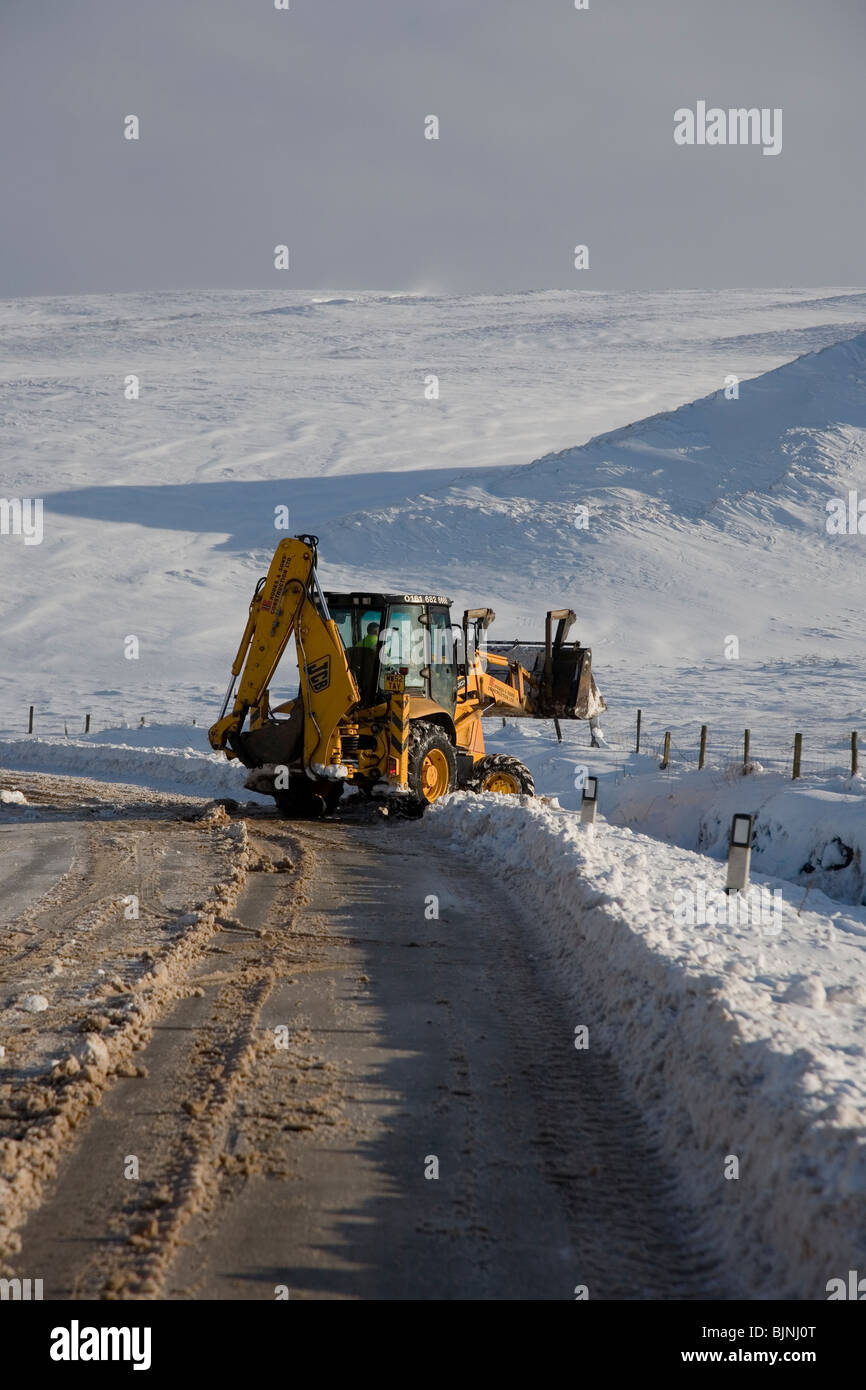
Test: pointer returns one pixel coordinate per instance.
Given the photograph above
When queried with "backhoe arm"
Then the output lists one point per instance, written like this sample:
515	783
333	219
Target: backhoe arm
282	606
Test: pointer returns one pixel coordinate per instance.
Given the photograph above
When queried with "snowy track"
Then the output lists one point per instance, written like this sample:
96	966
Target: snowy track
408	1038
707	1042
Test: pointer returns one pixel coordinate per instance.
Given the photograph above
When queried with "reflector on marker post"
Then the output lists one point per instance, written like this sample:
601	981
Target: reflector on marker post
739	854
589	800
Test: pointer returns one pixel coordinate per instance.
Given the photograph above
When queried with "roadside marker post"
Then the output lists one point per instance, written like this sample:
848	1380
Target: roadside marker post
589	801
739	854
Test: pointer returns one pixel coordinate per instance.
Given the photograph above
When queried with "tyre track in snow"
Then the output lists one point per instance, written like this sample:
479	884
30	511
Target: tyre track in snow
31	868
119	1236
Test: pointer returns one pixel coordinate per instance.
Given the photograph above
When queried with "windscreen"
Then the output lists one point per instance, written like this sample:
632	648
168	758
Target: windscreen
406	643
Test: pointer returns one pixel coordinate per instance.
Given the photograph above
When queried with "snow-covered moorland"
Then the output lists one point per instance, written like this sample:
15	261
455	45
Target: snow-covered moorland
159	511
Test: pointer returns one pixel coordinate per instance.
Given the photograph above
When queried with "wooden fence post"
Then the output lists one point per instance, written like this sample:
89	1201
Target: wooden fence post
702	755
666	755
87	723
798	753
637	735
747	738
855	756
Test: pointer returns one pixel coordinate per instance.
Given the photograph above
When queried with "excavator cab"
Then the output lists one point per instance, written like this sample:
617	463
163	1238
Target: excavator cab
413	639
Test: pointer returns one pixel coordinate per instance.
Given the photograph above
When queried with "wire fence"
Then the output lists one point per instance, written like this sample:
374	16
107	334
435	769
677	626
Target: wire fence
680	747
799	754
52	723
676	748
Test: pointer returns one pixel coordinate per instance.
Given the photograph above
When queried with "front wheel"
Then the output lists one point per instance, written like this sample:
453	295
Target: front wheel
498	773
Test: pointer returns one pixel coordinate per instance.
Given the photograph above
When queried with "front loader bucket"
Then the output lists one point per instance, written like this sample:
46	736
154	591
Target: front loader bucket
561	684
572	693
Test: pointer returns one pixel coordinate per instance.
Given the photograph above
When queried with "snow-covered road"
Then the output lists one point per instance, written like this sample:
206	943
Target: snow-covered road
739	1039
325	1085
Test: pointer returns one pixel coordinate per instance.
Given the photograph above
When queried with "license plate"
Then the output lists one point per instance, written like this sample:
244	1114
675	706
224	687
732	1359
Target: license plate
395	681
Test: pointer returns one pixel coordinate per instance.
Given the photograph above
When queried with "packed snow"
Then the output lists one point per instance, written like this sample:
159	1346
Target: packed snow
168	769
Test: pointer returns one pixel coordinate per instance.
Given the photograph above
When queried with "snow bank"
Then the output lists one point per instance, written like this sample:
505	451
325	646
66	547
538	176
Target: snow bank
738	1044
813	834
189	738
165	769
812	831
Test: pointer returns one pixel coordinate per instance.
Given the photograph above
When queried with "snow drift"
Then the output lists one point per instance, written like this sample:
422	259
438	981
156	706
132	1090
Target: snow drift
166	769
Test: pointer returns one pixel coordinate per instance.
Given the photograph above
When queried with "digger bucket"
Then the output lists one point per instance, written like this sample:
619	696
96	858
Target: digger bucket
571	691
563	686
567	689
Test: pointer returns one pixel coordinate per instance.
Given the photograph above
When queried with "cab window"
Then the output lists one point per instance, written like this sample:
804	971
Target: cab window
370	628
443	671
404	644
343	619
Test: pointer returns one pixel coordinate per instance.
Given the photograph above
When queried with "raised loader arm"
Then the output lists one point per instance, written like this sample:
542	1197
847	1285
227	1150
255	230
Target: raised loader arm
289	602
545	680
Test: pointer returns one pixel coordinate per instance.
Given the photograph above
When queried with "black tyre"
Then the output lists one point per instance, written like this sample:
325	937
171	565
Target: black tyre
306	800
432	764
331	793
496	772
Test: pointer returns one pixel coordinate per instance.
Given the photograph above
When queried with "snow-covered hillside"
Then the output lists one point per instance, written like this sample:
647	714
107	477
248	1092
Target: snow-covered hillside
704	522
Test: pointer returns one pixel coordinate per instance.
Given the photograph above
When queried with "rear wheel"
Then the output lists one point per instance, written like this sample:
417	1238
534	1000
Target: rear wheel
306	800
498	773
432	763
332	794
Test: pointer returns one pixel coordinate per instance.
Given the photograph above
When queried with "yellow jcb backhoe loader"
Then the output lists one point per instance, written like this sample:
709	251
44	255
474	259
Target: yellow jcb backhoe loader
390	696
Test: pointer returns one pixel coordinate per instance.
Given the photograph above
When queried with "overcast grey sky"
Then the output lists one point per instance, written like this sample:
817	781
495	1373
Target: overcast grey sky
306	127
